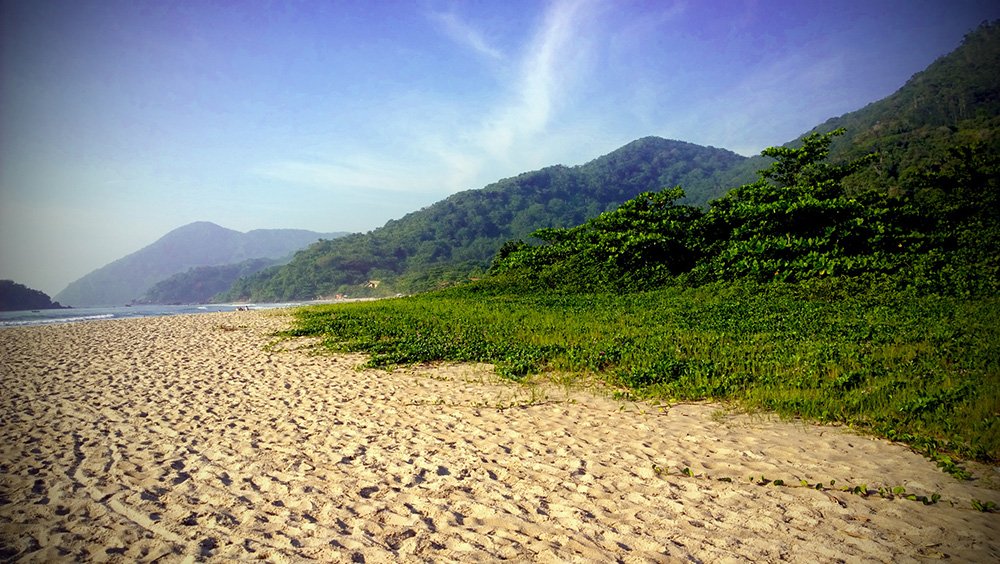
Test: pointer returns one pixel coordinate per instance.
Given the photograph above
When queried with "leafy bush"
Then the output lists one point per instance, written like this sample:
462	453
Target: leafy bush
796	223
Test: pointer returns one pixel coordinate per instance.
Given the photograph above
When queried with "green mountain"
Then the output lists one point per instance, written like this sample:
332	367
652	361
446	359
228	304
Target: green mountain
797	223
911	201
18	297
459	235
201	283
953	103
196	244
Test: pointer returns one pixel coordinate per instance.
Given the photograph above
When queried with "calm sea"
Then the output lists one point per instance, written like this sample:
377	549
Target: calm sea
46	316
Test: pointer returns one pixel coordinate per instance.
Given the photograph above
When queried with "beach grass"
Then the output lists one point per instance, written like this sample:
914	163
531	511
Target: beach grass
922	370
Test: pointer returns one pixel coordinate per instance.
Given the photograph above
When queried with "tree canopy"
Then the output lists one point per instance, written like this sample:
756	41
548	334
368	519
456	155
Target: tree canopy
797	222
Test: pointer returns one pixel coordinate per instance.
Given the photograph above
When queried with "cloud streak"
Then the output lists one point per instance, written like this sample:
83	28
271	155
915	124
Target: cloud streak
757	94
464	34
457	153
550	59
360	173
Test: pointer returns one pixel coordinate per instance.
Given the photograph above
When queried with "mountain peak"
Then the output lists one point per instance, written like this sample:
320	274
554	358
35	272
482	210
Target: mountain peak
203	227
201	243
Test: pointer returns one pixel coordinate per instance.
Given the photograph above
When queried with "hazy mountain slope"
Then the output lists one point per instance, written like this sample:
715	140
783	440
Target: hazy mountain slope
462	232
197	244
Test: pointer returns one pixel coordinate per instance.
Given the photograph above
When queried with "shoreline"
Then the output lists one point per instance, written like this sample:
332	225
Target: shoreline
29	318
187	437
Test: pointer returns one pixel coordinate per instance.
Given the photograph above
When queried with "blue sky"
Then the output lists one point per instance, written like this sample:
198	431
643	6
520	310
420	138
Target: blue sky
121	120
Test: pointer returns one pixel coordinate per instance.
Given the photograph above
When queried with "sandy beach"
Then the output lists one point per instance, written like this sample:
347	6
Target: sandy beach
188	438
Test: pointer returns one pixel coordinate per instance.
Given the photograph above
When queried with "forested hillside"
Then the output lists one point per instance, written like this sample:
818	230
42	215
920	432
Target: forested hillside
459	235
200	284
938	126
798	222
954	102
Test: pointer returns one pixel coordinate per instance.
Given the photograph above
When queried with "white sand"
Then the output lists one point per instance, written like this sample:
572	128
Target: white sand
182	439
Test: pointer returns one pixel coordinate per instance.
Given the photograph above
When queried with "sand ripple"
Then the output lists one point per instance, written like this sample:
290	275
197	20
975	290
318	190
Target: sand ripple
184	438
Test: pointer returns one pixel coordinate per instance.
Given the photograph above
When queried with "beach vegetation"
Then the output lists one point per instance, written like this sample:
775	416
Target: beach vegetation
985	506
789	294
919	369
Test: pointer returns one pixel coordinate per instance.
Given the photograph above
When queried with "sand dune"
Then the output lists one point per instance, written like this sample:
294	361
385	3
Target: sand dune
187	438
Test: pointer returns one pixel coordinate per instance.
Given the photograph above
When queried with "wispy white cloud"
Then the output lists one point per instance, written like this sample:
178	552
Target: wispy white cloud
546	70
741	117
447	152
364	172
464	34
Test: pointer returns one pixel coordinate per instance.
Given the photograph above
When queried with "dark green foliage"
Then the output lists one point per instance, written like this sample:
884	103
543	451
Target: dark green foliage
924	370
641	243
796	223
807	166
956	205
200	284
17	297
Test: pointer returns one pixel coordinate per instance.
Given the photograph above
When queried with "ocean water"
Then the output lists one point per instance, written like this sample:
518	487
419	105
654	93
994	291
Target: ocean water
83	314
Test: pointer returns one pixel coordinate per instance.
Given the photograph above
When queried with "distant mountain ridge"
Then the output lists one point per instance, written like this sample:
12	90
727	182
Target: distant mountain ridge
197	244
462	232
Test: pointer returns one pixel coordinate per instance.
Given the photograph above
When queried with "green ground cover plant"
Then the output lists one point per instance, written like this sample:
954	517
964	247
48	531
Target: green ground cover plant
923	370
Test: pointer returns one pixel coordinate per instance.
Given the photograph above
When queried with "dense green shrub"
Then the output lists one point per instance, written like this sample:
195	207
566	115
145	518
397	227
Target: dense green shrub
796	223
